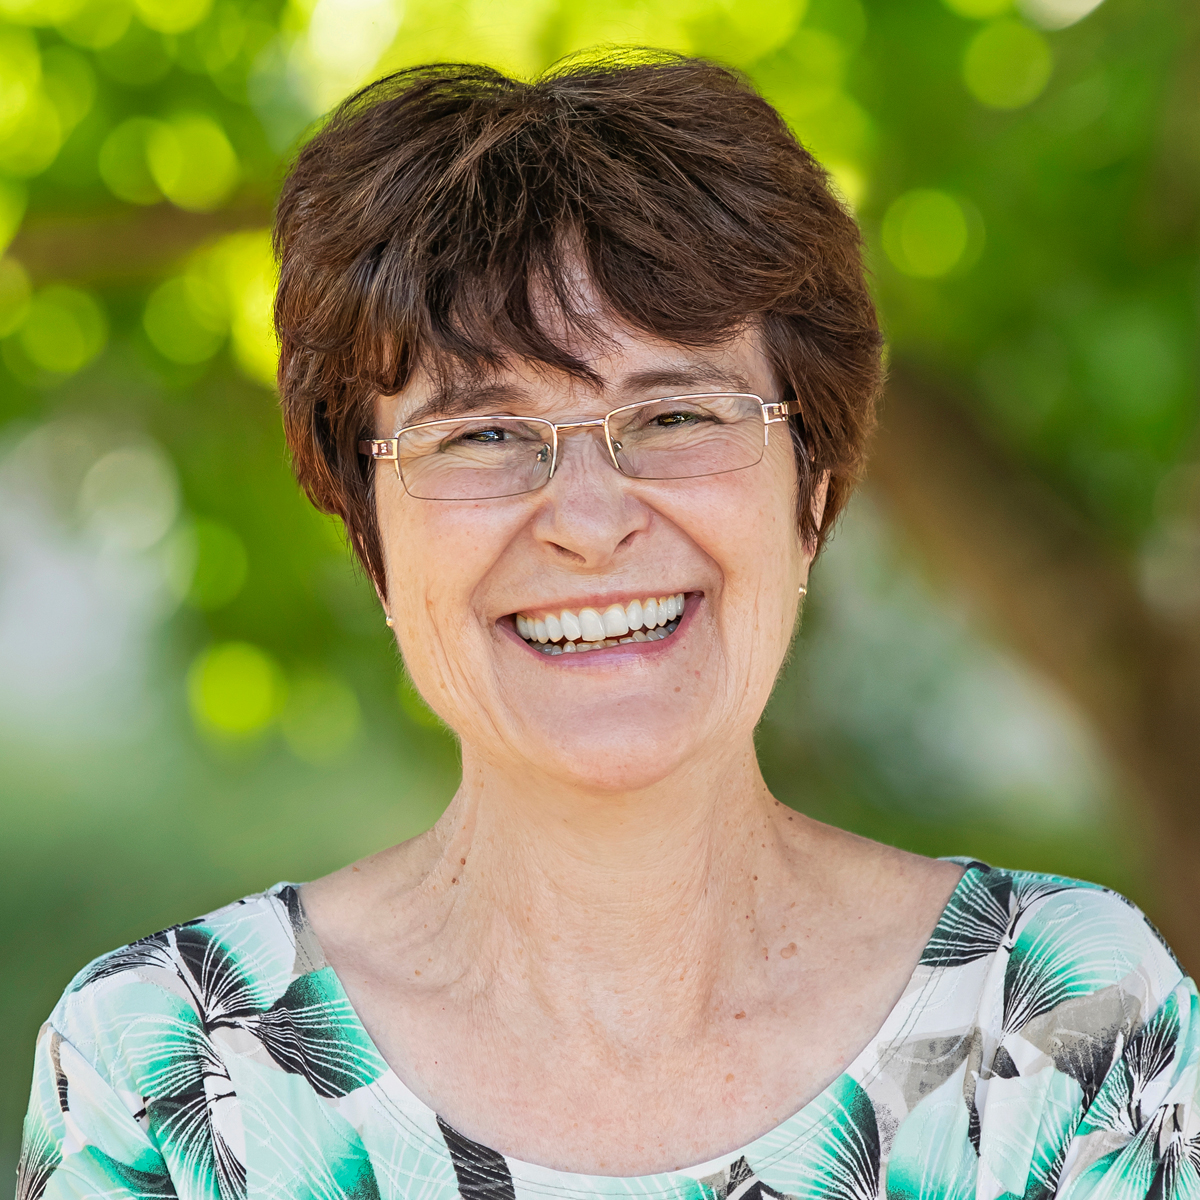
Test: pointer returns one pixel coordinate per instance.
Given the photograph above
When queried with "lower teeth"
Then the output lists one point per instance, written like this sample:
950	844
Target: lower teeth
649	635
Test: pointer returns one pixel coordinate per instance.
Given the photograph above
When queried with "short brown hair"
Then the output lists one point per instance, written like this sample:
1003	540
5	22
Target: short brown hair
423	221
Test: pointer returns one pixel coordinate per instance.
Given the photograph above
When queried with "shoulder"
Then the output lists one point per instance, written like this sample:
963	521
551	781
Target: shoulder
1053	1027
157	1052
214	970
1047	941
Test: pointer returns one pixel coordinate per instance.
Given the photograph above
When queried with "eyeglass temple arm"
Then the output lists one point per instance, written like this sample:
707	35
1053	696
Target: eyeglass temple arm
384	448
781	410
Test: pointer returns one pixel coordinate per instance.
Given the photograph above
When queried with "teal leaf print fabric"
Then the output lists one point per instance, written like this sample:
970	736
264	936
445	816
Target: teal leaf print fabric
933	1156
1046	1046
850	1144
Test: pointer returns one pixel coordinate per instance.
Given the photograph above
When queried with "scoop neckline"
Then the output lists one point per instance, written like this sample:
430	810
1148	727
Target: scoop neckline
870	1061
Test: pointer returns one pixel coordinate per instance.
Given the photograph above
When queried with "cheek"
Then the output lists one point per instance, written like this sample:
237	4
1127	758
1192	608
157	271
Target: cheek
750	531
430	562
746	522
438	557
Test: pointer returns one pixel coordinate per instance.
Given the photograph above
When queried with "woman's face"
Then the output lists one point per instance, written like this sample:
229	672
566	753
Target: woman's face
459	573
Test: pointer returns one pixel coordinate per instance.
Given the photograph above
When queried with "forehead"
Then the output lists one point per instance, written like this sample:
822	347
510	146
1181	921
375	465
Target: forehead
625	367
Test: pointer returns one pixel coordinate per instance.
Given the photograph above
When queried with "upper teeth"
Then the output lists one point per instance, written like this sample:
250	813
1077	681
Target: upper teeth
592	625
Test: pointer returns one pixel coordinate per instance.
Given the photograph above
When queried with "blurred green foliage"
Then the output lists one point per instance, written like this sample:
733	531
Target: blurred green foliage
197	693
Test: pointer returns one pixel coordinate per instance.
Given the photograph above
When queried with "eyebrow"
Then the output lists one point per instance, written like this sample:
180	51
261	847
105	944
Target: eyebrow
456	398
668	380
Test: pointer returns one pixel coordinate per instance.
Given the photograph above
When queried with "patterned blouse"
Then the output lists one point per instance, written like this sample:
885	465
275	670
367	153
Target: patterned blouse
1046	1045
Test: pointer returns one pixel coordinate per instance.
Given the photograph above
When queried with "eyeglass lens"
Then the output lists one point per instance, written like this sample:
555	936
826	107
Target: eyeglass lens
689	436
492	457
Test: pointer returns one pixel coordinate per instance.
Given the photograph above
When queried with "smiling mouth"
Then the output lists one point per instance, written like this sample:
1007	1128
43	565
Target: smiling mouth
571	632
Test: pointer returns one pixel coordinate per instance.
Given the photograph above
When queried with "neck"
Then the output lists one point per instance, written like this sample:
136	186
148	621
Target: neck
592	900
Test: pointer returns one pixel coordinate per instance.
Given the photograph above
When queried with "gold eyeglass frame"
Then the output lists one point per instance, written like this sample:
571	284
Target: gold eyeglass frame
773	413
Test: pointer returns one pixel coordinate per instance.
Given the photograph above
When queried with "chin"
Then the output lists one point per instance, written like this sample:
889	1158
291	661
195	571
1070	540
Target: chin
616	778
633	749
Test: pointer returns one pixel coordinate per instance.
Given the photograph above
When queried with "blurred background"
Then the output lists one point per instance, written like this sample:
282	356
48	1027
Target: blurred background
999	655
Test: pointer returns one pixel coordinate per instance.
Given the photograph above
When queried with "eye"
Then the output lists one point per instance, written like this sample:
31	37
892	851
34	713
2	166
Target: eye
488	435
680	419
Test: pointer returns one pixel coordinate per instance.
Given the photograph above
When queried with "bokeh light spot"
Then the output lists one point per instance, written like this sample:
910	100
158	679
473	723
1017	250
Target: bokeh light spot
185	320
97	24
246	265
1007	65
40	12
346	37
747	29
20	75
123	165
321	719
925	233
172	16
206	563
218	41
192	162
1057	14
810	72
64	329
32	144
235	690
849	183
130	497
841	131
70	83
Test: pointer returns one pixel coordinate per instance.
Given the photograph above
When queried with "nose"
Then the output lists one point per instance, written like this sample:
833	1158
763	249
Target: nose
587	511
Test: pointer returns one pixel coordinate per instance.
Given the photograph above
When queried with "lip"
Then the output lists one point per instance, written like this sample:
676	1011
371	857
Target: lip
611	654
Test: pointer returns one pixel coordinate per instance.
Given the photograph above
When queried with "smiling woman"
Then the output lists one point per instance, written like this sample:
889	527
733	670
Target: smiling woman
587	367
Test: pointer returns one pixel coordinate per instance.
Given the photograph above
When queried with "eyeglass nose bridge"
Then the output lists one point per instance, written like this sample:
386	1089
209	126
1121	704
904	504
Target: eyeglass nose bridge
598	423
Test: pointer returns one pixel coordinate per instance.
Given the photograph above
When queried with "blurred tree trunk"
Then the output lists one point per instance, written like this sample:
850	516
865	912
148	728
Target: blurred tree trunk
127	245
1070	607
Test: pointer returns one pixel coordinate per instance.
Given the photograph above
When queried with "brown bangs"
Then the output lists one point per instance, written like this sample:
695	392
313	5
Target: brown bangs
441	211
